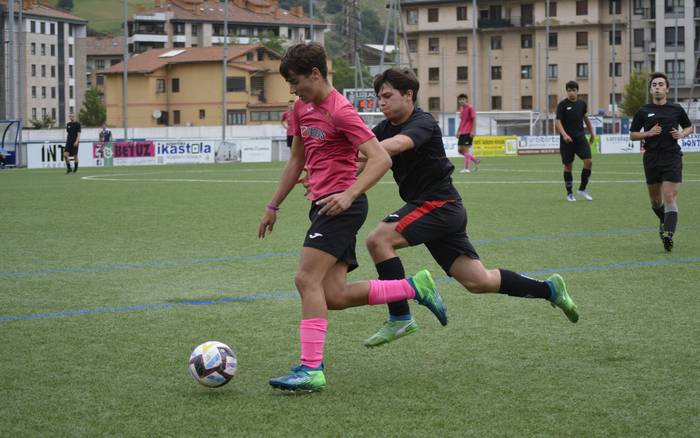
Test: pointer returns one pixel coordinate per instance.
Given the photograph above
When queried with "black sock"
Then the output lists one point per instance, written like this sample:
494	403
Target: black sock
670	221
568	181
659	212
517	285
585	174
75	167
392	269
68	165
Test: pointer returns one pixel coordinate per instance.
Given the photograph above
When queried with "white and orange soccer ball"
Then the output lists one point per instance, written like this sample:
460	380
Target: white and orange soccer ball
213	364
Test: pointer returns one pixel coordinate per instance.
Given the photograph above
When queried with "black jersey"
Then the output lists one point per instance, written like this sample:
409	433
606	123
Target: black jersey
423	173
668	116
571	116
72	128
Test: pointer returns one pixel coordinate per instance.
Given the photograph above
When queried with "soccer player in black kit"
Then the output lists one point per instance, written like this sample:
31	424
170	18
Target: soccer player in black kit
571	114
433	214
663	164
72	142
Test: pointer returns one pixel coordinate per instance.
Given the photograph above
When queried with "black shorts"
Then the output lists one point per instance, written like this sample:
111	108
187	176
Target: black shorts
663	167
337	235
440	225
290	139
579	146
72	149
464	140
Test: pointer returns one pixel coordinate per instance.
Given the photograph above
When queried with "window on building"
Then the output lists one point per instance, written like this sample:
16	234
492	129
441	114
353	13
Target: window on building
616	4
526	41
100	80
618	38
433	104
99	64
53	113
581	7
638	6
433	74
53	50
638	37
163	119
433	45
675	70
52	28
235	117
43	71
461	13
70	30
553	40
53	71
249	56
617	67
176	117
552	71
496	72
413	46
257	87
526	102
462	73
462	44
43	112
582	70
617	98
261	54
235	83
160	85
43	50
32	29
175	86
670	36
70	71
70	50
581	39
34	113
43	92
202	114
71	109
527	17
32	48
433	15
552	9
53	92
553	101
496	42
496	102
42	27
33	91
412	16
638	66
70	92
525	72
179	44
33	69
179	30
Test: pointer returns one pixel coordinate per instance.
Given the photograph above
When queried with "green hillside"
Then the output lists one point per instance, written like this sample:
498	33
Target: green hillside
104	16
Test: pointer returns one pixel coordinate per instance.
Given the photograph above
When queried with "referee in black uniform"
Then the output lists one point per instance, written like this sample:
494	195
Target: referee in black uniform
571	114
663	164
72	141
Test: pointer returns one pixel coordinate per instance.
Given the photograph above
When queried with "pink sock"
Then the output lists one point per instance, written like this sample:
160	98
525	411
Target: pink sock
312	333
388	291
466	160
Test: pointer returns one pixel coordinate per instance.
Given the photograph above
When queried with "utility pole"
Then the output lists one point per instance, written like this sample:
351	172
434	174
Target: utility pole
475	70
546	68
676	70
311	16
12	58
613	70
224	63
125	77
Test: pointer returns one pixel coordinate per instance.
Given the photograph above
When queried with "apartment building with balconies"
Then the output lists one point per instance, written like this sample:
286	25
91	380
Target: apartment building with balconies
200	23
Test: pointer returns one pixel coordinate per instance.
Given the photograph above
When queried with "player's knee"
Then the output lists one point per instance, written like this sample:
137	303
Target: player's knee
376	242
303	281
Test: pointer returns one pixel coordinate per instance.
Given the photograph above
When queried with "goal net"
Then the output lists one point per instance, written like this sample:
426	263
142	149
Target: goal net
9	142
228	152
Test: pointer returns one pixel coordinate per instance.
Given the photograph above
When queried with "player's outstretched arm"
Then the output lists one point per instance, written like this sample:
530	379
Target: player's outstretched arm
378	163
290	175
397	144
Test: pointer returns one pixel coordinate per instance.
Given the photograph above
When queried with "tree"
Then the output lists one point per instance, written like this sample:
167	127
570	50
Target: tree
66	4
272	42
344	75
46	122
93	112
635	94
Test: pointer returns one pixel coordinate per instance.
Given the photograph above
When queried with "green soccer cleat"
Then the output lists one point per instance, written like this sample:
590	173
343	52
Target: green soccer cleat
391	331
301	378
427	295
562	299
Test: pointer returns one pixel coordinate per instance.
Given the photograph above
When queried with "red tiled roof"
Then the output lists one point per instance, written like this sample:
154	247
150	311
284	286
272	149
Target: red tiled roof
151	60
41	10
214	11
104	46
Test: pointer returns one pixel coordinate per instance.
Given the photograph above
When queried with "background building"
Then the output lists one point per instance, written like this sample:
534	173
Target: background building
101	53
49	64
183	87
200	23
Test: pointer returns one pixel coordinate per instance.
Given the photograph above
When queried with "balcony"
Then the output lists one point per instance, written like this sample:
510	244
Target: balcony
492	23
696	12
649	13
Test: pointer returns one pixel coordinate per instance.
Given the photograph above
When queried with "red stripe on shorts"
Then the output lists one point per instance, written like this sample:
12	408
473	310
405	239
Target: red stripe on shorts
418	213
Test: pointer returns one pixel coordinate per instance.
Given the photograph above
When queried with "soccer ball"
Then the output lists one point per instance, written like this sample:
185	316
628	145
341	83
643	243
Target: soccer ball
213	364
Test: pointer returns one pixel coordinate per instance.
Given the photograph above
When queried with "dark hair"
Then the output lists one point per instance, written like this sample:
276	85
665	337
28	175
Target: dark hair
572	85
462	96
656	75
402	79
302	58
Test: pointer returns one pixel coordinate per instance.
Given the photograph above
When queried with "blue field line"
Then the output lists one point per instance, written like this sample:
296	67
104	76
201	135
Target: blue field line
189	262
274	295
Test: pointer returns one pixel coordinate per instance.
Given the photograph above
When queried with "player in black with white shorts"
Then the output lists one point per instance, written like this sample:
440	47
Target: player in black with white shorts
72	142
663	163
433	214
571	115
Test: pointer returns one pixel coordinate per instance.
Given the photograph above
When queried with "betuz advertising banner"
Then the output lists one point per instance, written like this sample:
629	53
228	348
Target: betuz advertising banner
130	153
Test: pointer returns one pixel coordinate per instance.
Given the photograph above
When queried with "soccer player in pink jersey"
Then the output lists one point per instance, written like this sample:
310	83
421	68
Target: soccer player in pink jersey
328	133
465	133
287	122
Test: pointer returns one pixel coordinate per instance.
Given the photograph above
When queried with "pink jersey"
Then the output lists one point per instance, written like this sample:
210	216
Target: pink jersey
467	117
289	117
331	132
